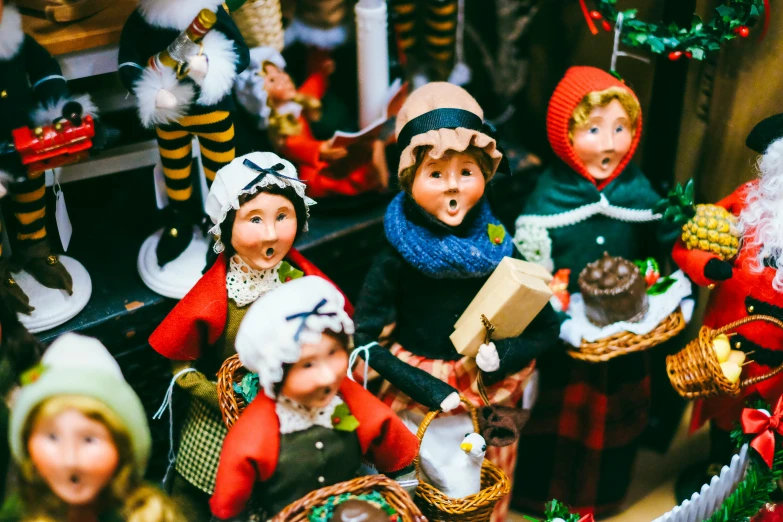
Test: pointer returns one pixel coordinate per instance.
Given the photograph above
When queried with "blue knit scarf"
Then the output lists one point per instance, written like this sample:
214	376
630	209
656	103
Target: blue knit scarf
441	255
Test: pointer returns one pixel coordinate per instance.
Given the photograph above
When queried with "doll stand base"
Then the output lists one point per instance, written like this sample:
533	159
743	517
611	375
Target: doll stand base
54	307
176	278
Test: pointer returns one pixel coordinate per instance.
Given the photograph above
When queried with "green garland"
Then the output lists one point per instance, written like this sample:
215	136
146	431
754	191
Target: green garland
730	21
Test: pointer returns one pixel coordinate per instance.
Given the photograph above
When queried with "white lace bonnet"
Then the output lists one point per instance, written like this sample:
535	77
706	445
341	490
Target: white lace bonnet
280	322
249	174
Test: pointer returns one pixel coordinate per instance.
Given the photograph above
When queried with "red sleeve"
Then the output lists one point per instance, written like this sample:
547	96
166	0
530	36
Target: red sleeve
306	266
197	320
385	440
692	262
315	85
303	149
249	455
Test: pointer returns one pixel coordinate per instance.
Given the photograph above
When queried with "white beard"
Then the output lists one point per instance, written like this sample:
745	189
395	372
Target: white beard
174	14
762	218
11	34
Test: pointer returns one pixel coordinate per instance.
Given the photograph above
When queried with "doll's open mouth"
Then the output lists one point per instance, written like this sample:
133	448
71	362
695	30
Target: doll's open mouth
605	162
270	252
75	479
453	206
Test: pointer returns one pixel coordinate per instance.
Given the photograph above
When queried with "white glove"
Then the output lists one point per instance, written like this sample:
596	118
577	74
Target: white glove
165	100
487	358
450	402
198	67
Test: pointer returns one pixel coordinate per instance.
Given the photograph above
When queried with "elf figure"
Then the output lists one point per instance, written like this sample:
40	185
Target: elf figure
426	32
199	105
79	435
749	284
268	93
317	425
581	441
443	244
259	209
33	92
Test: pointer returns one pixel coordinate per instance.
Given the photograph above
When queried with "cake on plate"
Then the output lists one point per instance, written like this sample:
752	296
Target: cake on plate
613	290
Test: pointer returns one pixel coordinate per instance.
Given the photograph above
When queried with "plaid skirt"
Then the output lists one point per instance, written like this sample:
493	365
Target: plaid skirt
201	440
581	441
462	374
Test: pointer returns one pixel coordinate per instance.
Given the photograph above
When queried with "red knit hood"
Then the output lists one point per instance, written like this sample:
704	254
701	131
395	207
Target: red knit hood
575	85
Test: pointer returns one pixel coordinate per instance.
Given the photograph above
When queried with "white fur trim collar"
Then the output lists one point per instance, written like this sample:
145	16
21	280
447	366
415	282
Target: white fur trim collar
173	14
11	34
577	215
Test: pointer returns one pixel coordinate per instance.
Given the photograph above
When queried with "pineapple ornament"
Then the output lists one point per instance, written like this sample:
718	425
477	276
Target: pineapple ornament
706	227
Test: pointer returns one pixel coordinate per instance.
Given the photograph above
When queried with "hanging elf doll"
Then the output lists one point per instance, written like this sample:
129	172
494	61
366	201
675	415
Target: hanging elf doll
745	283
199	105
443	244
589	417
79	435
267	92
259	208
33	92
318	425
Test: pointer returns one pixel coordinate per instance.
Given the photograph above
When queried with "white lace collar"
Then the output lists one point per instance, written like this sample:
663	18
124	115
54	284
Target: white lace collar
246	284
294	417
11	34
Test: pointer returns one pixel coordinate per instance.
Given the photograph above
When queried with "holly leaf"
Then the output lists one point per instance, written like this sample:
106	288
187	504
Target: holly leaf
697	53
342	420
725	12
661	286
497	233
287	273
32	374
689	191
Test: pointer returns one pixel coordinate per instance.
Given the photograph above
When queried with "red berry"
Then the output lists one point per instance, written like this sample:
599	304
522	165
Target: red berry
287	278
336	420
497	240
606	25
675	55
743	31
688	55
595	15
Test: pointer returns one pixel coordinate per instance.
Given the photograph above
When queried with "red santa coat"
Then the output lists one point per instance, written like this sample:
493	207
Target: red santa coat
200	317
745	293
250	454
305	151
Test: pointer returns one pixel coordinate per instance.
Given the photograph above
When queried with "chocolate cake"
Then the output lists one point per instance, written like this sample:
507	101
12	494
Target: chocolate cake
613	290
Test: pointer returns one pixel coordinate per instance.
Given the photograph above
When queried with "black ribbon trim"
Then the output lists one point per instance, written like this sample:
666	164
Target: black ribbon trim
306	315
274	170
762	308
450	118
761	355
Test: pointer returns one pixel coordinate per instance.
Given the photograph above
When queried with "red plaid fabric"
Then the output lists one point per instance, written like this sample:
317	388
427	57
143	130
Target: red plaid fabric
462	375
506	459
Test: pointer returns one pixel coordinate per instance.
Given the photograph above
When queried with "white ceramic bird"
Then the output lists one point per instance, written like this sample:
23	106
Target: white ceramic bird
460	475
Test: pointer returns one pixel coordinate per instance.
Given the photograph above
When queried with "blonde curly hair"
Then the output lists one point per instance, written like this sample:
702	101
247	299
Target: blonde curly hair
593	100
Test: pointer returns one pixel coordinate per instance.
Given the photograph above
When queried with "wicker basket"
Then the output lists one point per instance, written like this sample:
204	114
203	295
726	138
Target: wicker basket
626	342
474	508
389	489
695	372
261	23
231	406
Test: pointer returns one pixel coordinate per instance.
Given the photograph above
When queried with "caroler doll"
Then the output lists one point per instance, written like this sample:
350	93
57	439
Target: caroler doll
33	92
581	441
744	284
259	208
441	250
80	437
198	105
310	426
267	92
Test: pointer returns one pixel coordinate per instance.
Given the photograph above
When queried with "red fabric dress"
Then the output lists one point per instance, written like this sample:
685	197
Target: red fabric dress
250	454
304	151
745	293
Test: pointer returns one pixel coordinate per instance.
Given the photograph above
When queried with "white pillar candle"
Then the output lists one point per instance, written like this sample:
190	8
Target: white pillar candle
372	47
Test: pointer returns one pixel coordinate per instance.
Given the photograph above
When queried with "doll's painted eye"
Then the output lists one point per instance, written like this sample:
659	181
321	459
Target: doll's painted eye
255	219
281	216
435	174
466	172
619	129
53	437
307	365
593	130
89	440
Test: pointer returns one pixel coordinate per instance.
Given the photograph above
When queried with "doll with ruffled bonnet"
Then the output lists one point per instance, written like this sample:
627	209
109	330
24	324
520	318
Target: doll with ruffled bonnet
258	208
591	200
79	435
317	424
443	242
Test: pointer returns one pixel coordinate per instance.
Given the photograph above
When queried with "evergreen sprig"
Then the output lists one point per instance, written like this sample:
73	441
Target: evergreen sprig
731	20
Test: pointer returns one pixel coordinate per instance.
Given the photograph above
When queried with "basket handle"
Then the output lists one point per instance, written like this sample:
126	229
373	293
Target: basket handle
745	320
431	416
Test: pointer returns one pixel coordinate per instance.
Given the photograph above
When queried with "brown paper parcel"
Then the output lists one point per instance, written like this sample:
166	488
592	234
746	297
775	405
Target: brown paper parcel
511	298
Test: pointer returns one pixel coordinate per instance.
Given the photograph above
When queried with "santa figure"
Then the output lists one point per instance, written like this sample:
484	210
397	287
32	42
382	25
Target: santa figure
750	284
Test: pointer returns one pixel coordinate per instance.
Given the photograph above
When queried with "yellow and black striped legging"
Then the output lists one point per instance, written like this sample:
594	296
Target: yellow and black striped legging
440	28
215	132
29	206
